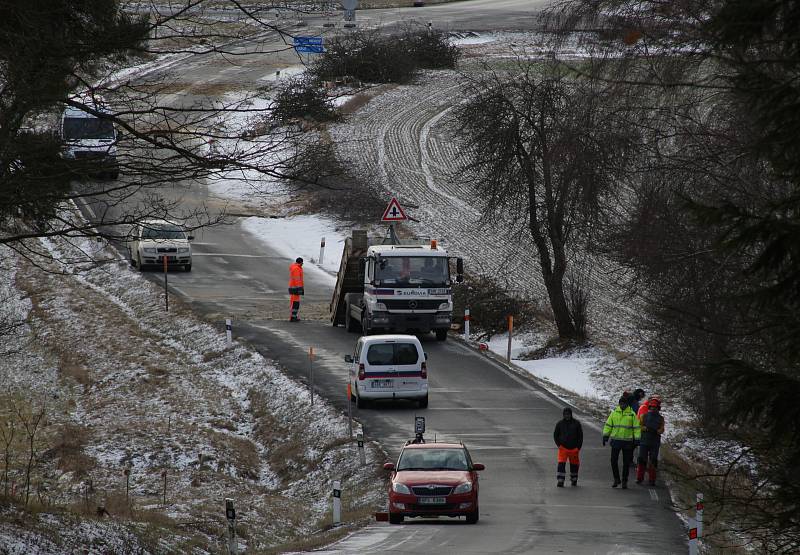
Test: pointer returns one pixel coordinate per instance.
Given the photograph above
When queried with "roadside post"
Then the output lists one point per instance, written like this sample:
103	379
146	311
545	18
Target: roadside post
350	410
337	502
692	536
510	331
166	290
311	372
322	251
466	324
362	454
229	332
230	514
698	511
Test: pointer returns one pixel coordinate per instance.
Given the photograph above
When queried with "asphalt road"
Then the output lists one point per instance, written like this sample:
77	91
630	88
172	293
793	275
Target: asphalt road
505	419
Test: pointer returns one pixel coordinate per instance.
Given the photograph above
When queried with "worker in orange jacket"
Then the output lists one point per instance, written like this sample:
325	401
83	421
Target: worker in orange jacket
295	287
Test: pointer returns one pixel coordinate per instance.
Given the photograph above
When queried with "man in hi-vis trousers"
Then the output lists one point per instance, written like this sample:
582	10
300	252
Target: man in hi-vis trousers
568	436
295	287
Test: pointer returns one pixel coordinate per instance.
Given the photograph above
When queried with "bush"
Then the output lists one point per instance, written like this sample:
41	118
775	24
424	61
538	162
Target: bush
303	99
490	304
431	50
374	58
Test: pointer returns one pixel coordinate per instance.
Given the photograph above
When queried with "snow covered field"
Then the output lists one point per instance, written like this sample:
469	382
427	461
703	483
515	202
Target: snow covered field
126	385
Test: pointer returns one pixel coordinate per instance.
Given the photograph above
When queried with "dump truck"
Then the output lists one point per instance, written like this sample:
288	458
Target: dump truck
394	287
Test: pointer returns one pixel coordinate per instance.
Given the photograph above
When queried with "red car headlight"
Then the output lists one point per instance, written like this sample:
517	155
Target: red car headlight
466	487
400	488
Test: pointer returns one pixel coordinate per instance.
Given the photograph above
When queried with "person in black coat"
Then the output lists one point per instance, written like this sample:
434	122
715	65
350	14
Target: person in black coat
568	436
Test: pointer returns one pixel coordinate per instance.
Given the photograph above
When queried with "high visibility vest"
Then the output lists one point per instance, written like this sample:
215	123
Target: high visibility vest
295	275
622	425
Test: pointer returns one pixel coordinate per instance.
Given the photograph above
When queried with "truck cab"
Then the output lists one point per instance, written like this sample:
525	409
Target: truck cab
402	288
89	141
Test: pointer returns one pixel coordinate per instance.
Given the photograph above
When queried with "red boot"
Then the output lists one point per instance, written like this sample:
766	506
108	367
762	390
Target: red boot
651	474
639	472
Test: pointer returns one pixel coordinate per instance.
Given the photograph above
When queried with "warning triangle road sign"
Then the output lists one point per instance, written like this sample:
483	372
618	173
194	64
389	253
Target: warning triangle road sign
394	212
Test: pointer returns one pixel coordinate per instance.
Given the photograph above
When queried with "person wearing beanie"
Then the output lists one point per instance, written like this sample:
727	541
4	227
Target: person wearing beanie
295	288
568	436
652	429
622	428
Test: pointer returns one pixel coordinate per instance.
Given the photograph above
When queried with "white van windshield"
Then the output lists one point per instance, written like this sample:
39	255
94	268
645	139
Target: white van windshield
165	231
412	270
88	128
387	354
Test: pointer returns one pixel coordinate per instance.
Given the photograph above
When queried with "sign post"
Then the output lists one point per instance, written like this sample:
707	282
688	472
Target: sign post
510	330
466	324
337	502
393	213
311	372
230	514
308	45
165	258
228	332
698	511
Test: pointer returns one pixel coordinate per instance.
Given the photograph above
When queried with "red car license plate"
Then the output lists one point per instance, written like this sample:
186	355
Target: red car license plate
432	500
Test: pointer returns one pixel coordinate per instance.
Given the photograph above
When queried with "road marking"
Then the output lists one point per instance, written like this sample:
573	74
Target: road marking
653	495
230	255
489	408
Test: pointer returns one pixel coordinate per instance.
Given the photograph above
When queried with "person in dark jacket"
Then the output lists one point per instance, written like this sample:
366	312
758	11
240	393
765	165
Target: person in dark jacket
652	428
568	436
635	399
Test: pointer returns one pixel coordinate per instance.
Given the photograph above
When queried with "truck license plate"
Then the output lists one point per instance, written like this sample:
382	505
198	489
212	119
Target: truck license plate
432	500
382	384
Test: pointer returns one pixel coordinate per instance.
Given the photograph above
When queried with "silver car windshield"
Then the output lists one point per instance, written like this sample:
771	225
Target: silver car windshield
162	232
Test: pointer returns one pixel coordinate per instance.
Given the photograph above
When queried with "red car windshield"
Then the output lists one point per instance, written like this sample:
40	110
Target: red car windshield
433	459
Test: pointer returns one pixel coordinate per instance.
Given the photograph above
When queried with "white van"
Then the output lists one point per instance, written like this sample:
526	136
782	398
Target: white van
388	367
90	142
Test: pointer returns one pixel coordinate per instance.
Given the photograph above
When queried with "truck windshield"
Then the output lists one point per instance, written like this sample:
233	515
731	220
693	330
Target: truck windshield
412	270
88	128
162	232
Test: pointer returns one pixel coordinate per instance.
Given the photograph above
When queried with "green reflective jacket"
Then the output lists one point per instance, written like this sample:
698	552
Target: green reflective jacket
622	425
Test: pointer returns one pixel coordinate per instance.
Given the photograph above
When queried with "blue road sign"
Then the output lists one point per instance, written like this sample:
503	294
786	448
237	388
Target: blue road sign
309	45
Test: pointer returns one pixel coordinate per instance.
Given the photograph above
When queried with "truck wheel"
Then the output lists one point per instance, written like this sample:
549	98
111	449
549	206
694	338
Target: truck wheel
187	267
139	262
349	321
441	335
365	329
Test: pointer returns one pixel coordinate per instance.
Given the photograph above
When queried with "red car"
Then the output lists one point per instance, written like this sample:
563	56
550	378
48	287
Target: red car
433	479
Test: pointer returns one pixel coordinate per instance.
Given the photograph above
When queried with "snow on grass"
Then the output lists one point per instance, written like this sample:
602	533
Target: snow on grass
300	236
158	391
470	39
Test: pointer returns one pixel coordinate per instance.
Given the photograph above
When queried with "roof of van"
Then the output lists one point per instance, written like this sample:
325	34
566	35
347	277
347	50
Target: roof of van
390	338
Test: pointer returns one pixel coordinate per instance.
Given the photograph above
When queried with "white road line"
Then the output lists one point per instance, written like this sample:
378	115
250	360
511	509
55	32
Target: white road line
653	494
230	255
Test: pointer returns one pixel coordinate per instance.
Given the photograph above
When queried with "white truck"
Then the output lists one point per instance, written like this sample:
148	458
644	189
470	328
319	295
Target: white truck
394	287
89	141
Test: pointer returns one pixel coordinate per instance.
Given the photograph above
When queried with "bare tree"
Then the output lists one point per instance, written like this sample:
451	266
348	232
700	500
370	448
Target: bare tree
544	151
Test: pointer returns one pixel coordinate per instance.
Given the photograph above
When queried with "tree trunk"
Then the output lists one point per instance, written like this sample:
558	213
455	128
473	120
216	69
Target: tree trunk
558	302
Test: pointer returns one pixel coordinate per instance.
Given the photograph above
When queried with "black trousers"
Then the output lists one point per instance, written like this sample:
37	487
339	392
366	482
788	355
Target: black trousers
295	309
627	457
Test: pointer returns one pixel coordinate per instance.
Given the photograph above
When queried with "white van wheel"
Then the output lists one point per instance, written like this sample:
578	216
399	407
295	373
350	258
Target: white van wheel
360	403
423	403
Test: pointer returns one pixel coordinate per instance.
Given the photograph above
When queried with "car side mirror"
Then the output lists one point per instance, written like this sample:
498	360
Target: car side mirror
478	466
191	237
388	466
348	358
